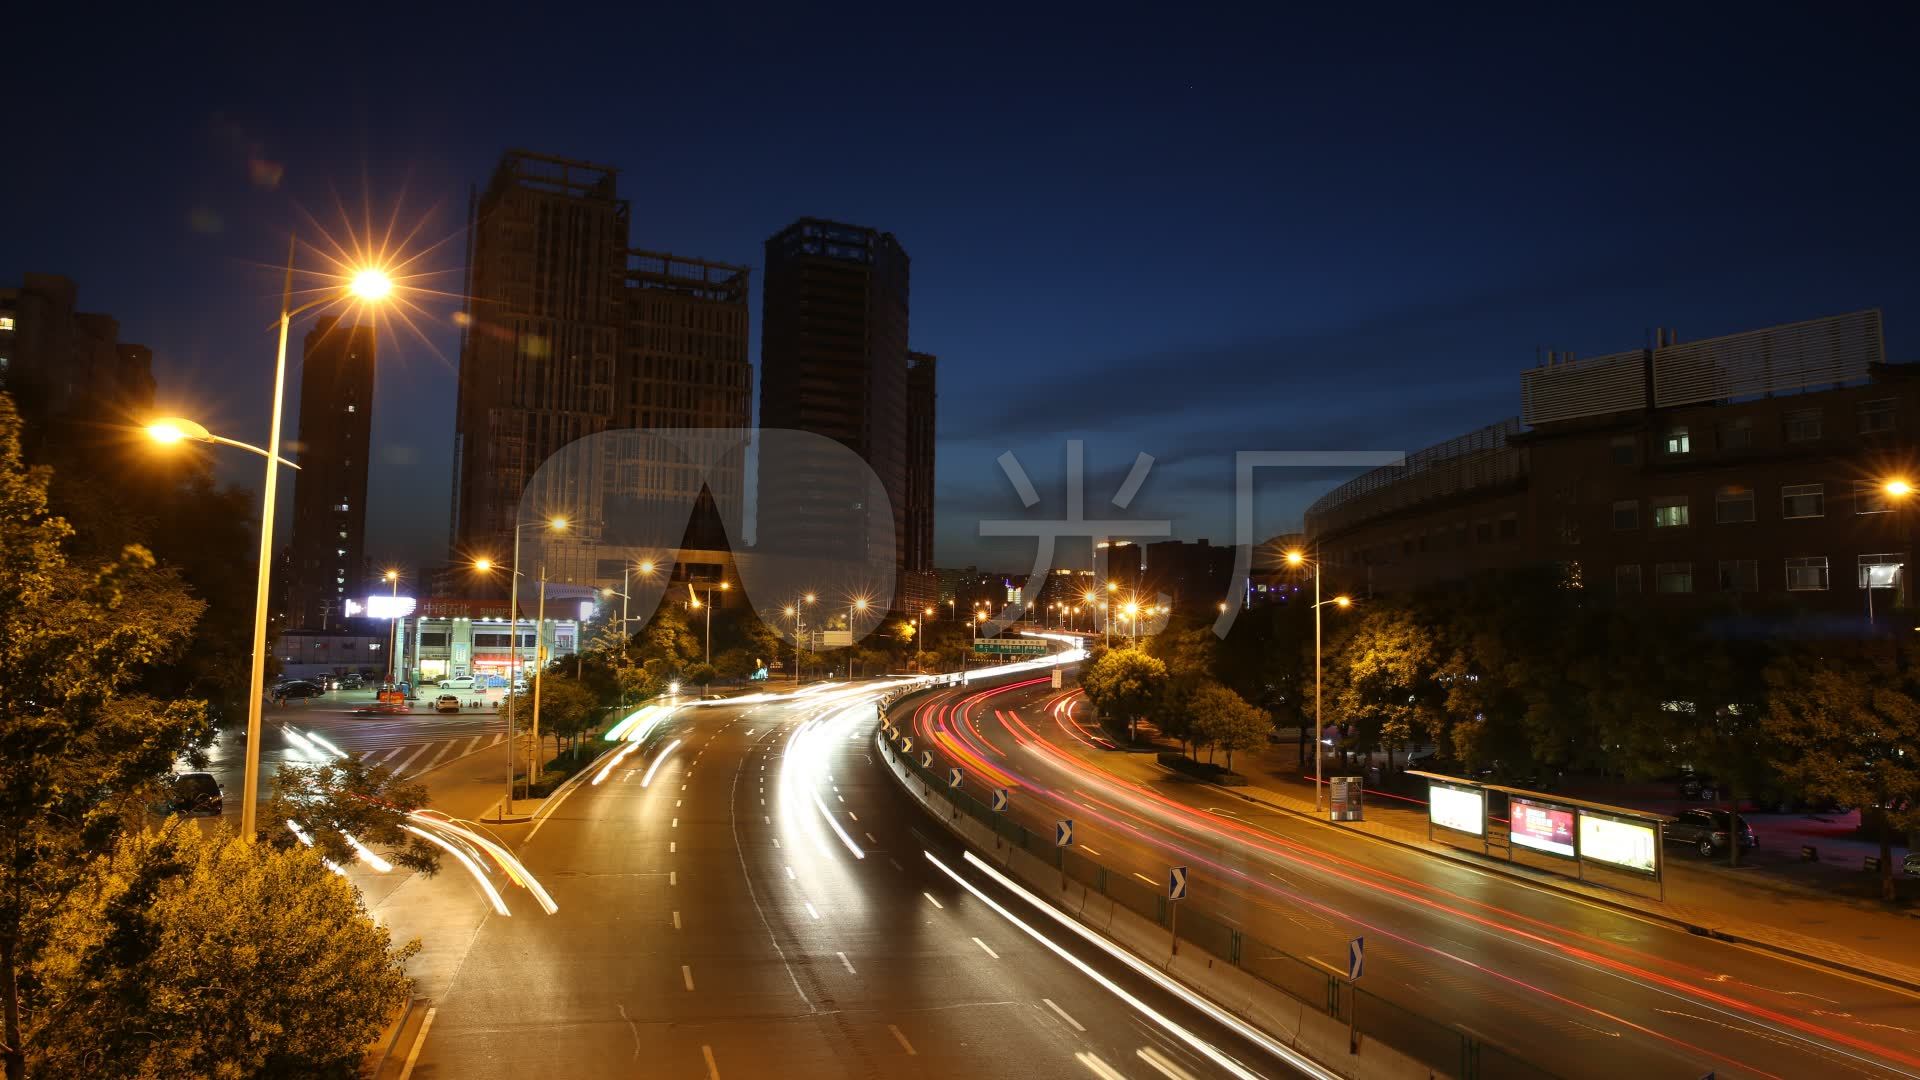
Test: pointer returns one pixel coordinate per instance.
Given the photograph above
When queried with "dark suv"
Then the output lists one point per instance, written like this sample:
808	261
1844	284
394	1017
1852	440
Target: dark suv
1707	831
195	794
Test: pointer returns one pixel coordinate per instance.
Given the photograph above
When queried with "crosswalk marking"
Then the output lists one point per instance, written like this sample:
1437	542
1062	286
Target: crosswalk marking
402	767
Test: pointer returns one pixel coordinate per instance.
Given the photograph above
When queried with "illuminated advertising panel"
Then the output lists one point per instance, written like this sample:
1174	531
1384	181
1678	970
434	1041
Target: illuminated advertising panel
1460	809
389	607
1542	827
1630	845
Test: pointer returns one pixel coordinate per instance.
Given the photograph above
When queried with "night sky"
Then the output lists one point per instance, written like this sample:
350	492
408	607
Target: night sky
1155	234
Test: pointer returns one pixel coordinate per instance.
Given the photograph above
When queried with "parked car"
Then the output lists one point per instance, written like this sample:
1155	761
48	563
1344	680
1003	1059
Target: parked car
195	794
351	681
298	688
446	703
1706	831
457	682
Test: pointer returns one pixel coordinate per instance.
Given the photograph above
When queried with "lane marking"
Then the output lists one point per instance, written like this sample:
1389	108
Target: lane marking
1163	1063
1097	1067
812	912
686	975
1062	1014
896	864
673	846
673	877
677	802
420	1040
676	920
790	874
848	964
402	767
776	841
853	815
1088	850
472	746
932	901
870	838
435	763
1144	878
676	824
987	947
904	1044
713	1070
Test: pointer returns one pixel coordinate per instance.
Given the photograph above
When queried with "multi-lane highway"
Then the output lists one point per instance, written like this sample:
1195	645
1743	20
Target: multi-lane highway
745	892
1538	979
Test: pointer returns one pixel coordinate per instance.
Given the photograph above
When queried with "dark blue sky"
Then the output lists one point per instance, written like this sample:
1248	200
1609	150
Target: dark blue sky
1154	233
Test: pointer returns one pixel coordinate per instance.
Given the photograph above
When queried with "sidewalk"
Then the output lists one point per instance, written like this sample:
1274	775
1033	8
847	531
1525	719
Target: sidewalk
1746	906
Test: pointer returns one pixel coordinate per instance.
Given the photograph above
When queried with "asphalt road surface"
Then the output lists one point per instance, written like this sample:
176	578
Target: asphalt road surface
1541	979
747	893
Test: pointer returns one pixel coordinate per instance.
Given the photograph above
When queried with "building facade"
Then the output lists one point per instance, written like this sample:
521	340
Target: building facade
63	364
448	638
1753	468
922	434
834	363
315	653
326	554
571	334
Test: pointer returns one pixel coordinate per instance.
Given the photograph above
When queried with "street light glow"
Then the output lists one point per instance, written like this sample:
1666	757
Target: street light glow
392	575
558	524
1342	601
647	567
483	565
371	285
1898	488
173	429
1295	558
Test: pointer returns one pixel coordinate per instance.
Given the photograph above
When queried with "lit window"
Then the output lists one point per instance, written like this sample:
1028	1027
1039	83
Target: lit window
6	322
1876	416
1807	574
1870	497
1733	505
1669	511
1881	571
353	408
1739	575
1673	577
1802	425
1626	579
1678	441
1803	501
1626	514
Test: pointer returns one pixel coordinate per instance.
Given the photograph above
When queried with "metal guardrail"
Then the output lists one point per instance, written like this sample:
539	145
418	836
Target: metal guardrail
1436	1044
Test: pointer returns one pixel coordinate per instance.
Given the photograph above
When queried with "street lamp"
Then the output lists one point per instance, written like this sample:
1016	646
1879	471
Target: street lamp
369	285
859	606
393	637
798	614
1299	558
484	565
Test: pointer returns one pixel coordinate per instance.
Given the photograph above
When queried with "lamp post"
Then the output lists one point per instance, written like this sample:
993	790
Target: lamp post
556	524
1897	490
799	616
859	605
368	286
1297	558
393	633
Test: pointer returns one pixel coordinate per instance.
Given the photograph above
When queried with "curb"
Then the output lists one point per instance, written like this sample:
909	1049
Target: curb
1694	928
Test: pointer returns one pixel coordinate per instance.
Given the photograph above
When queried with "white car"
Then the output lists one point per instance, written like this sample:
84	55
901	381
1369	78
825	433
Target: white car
458	682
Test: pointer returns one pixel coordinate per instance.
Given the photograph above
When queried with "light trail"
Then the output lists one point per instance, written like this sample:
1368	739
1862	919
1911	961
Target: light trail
473	868
657	760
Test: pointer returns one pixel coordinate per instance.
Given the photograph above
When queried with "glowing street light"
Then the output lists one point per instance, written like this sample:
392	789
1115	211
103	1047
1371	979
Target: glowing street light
1898	488
170	430
1297	557
372	285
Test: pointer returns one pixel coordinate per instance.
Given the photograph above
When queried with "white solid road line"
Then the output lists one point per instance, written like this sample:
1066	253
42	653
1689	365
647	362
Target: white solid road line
1097	1067
904	1044
401	768
413	1055
1062	1014
846	962
1164	1064
673	877
987	947
713	1070
1144	878
686	975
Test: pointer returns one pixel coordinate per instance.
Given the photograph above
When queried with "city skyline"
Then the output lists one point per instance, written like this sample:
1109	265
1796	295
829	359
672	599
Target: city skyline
1368	264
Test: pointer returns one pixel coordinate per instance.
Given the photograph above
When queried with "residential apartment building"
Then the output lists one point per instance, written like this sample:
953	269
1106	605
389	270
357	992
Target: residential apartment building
63	365
1753	467
326	553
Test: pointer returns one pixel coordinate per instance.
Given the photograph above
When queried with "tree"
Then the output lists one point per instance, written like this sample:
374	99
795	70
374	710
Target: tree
334	800
1124	684
1223	719
79	754
702	676
734	664
567	708
1846	716
183	955
1384	680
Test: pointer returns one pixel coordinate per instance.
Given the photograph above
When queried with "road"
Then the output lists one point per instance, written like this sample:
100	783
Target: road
747	893
1568	985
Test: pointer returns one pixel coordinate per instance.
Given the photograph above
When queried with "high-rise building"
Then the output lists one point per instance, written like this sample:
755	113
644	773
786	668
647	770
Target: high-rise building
541	341
61	364
919	585
833	353
571	334
327	552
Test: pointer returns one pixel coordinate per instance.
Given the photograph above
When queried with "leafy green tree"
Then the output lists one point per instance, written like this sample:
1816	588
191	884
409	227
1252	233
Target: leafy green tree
1846	716
182	955
79	754
734	664
1222	719
333	800
1124	684
1384	680
702	675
